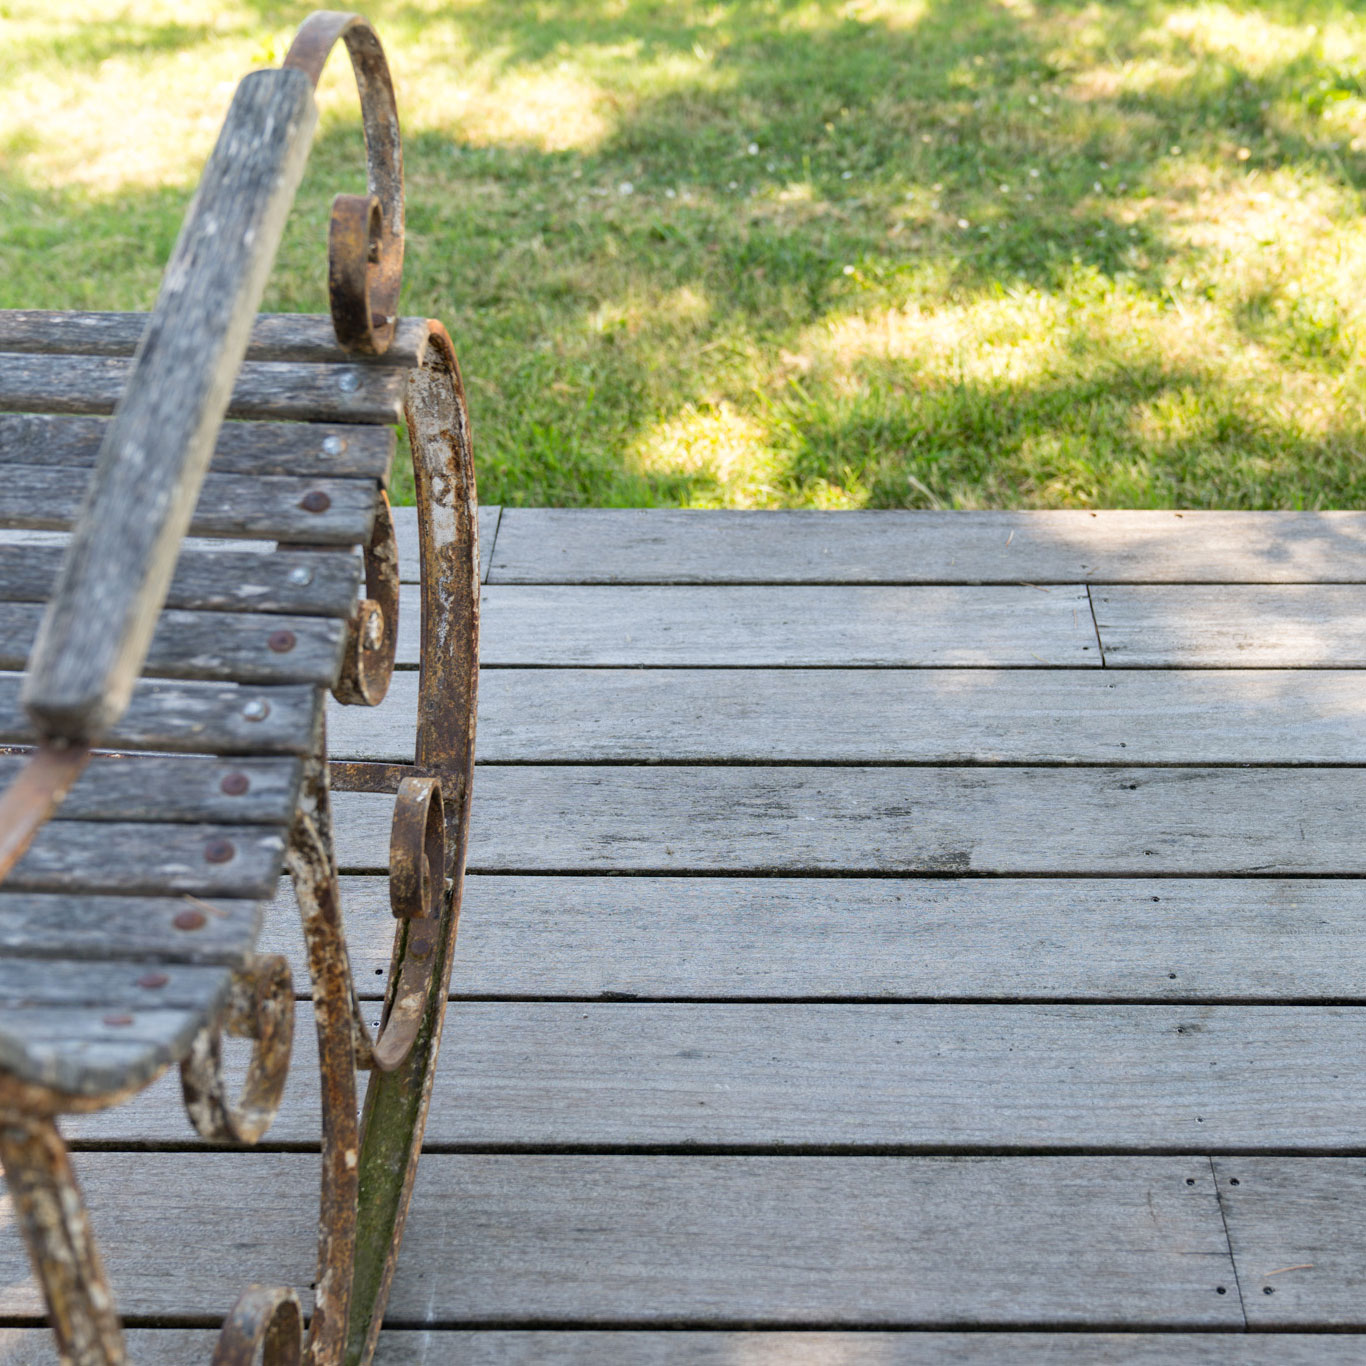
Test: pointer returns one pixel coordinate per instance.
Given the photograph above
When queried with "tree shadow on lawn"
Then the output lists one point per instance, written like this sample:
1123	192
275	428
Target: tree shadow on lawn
839	316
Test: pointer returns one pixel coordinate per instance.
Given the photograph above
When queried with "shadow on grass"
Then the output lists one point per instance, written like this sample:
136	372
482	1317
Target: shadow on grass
637	316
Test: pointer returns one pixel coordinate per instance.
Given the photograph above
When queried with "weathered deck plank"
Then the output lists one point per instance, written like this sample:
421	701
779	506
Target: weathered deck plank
988	939
629	545
1296	1231
862	716
1105	822
872	1078
1285	626
726	627
707	1241
589	1347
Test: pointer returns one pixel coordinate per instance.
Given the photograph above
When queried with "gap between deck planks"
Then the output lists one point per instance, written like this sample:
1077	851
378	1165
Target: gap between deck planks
700	1347
537	1076
729	1241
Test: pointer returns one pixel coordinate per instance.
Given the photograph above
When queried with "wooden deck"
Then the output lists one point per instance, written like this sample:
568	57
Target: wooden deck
890	938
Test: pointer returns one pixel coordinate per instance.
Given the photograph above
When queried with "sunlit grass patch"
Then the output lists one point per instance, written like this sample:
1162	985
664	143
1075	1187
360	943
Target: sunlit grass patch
836	253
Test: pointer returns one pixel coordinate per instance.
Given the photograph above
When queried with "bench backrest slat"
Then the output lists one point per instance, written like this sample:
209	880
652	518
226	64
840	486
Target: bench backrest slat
99	624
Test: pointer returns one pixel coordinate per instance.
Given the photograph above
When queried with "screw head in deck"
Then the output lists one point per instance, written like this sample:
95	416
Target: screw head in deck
256	710
218	851
189	920
315	501
282	642
301	575
334	445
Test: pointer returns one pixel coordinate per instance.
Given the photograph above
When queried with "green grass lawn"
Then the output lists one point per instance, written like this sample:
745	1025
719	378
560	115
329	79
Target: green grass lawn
773	253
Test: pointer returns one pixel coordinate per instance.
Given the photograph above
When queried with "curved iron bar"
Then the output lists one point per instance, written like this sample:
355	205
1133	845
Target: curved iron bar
261	1008
372	632
365	237
265	1319
396	1101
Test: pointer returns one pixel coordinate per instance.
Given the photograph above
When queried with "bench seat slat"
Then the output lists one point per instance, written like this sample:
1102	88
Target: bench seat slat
198	718
210	645
264	389
73	983
154	928
274	508
310	449
127	858
76	1049
208	578
307	337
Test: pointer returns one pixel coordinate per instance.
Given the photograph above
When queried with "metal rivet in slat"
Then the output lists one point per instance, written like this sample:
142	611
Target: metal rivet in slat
189	920
235	783
348	381
282	642
256	710
218	851
316	501
301	575
118	1021
152	980
334	445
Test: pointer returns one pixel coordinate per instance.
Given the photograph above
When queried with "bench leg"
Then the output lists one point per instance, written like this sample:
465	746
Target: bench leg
60	1244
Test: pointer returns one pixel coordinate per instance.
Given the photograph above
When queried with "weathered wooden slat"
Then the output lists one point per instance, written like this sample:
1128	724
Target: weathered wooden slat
314	583
292	392
171	402
856	1077
313	511
96	1050
242	790
331	450
1239	627
883	627
61	983
1296	1232
508	1240
986	939
195	718
631	545
934	716
409	558
127	859
213	645
646	1347
160	929
274	336
1107	822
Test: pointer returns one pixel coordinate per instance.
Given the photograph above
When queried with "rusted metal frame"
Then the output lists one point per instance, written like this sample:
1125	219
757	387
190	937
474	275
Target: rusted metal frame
396	1102
56	1228
34	796
260	1007
372	632
365	237
265	1320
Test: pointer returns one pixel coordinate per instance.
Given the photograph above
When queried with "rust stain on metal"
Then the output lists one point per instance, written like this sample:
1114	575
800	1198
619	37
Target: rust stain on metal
189	920
235	784
219	851
372	632
282	642
316	501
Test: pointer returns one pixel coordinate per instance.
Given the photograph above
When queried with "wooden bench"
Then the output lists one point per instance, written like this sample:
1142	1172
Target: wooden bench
166	748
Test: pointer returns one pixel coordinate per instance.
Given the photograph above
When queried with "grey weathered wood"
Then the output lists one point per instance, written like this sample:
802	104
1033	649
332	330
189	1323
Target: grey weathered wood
150	787
508	1240
212	579
122	554
409	558
913	627
660	1347
256	448
195	718
215	645
62	983
887	716
1130	822
987	939
1237	627
274	336
280	390
94	858
46	498
1295	1226
106	927
96	1051
873	1078
631	545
